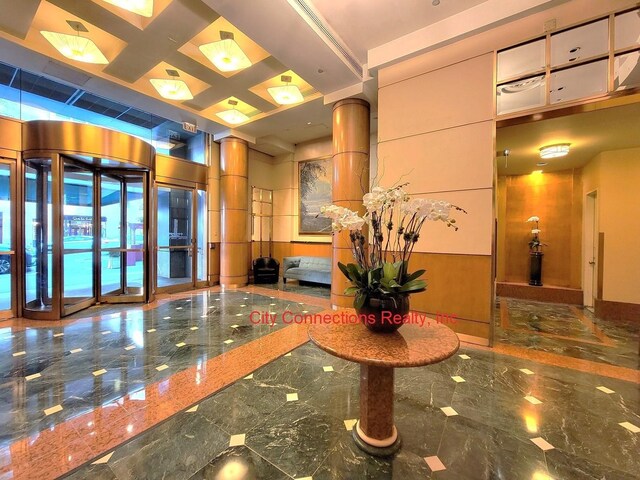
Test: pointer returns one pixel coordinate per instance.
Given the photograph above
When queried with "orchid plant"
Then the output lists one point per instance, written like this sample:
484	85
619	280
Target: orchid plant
394	220
535	245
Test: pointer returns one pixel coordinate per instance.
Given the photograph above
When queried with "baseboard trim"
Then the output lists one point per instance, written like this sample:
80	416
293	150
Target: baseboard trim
609	310
573	296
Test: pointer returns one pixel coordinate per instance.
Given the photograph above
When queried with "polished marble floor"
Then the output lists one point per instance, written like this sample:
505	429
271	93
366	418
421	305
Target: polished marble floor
568	330
509	419
191	388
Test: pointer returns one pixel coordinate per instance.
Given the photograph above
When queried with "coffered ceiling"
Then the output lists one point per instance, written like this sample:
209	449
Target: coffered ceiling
322	45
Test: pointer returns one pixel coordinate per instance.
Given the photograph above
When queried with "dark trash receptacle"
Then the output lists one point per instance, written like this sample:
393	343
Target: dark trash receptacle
266	270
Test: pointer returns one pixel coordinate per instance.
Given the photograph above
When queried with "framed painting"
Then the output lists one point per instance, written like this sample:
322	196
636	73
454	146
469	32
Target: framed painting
314	191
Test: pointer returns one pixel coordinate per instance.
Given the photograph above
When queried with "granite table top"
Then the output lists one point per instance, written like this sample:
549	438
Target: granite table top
410	346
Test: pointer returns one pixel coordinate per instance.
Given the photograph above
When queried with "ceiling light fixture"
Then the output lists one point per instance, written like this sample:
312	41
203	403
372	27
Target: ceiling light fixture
233	116
172	88
554	151
226	54
286	94
76	47
139	7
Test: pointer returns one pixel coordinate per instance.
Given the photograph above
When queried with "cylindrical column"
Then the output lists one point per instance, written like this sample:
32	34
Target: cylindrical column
350	180
234	212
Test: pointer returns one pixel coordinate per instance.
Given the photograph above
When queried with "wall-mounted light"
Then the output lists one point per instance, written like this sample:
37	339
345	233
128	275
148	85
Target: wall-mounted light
286	94
76	47
139	7
554	151
226	54
232	116
172	88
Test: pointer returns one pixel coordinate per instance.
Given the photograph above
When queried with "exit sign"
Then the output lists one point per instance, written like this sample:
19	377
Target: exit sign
189	127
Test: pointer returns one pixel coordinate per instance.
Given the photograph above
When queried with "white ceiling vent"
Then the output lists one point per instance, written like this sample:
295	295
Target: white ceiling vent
314	19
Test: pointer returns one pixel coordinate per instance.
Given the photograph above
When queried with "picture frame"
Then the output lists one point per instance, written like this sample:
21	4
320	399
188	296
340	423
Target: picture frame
315	179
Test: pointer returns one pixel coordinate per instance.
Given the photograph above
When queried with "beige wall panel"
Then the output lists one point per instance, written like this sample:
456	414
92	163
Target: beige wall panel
475	228
438	161
313	149
214	167
616	176
456	95
233	193
282	174
235	221
282	228
214	226
567	13
283	201
457	285
214	260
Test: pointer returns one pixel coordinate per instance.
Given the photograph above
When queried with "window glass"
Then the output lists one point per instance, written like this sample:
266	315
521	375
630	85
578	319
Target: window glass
521	60
627	32
580	43
579	82
626	71
521	95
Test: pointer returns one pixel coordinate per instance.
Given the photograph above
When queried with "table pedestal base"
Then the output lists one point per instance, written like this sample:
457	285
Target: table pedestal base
377	447
375	433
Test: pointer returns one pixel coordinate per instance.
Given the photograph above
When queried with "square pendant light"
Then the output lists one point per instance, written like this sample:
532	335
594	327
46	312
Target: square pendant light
171	89
286	94
226	54
232	116
76	47
140	7
554	151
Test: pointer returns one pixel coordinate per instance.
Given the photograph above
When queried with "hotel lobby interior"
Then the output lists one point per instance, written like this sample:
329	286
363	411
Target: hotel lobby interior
182	183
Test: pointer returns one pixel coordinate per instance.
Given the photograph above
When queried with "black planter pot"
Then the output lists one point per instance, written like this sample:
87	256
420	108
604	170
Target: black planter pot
385	314
535	275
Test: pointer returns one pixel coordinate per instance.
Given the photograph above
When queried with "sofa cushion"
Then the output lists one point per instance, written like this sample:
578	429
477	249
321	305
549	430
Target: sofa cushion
316	263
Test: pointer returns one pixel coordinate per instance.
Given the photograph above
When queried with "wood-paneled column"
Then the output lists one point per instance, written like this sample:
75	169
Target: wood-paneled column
234	212
350	180
213	205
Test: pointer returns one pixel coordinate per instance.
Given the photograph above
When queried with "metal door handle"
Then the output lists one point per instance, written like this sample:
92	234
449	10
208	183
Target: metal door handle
592	263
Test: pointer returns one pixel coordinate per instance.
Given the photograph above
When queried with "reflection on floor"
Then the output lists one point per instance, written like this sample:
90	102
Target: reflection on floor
509	419
567	330
196	406
306	288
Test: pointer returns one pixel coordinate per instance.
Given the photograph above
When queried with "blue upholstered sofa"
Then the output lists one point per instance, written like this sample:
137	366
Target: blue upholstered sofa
307	269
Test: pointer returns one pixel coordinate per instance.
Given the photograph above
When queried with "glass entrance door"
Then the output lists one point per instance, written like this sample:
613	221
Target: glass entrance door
78	237
122	237
7	239
174	260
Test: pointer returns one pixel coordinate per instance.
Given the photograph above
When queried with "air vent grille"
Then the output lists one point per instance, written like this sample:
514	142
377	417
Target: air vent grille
328	36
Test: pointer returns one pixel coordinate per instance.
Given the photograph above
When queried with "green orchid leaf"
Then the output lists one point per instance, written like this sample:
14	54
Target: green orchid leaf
344	270
414	286
351	290
414	275
389	271
360	299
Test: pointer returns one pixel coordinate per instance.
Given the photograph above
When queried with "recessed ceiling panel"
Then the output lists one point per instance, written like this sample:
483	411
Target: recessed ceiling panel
214	34
307	91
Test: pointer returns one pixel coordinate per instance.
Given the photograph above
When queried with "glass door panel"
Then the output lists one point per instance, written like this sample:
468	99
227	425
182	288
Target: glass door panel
122	246
7	248
135	234
38	235
201	244
111	236
77	234
174	260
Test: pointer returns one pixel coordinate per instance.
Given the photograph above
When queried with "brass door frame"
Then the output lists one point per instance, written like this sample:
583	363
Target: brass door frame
14	272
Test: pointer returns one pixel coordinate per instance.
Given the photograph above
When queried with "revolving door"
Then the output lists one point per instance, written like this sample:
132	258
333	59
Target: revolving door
86	224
